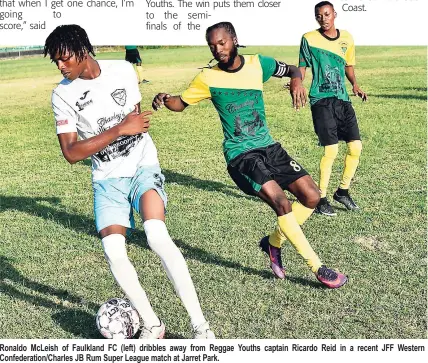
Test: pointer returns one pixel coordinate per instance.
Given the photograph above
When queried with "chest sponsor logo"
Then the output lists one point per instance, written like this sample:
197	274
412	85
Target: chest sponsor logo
119	96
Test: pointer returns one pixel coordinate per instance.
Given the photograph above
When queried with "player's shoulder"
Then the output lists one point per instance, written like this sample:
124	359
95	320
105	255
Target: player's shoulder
311	35
344	34
64	86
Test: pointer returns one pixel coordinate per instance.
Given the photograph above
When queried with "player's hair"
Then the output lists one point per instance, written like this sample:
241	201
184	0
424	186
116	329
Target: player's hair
68	38
225	25
323	3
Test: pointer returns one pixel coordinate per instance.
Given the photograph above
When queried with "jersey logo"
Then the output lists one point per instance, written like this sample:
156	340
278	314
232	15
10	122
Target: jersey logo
119	96
84	95
344	47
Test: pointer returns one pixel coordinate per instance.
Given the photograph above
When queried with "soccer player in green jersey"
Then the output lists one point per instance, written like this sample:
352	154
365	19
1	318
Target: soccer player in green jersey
132	55
330	53
257	164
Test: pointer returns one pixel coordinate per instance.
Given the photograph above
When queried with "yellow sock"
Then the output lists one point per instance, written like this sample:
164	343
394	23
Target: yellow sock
352	160
301	212
291	229
139	73
326	165
277	238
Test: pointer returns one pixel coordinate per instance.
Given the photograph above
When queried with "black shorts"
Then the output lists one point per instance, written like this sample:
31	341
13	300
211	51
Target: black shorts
334	120
133	56
252	169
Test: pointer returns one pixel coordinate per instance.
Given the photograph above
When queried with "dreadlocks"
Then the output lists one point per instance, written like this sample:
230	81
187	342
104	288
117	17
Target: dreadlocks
68	38
225	25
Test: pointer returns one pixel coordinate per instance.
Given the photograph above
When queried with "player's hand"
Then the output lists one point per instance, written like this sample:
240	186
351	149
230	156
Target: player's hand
160	100
298	93
135	123
359	92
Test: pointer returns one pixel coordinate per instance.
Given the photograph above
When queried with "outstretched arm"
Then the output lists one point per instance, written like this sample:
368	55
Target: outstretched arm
350	74
172	103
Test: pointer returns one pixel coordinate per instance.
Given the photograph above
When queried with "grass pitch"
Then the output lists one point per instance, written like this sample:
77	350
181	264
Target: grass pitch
53	276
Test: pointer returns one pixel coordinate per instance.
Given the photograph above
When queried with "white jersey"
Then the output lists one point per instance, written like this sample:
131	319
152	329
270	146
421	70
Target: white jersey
90	107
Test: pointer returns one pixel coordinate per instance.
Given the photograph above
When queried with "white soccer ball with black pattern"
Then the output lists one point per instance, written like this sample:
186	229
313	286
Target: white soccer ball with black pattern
117	319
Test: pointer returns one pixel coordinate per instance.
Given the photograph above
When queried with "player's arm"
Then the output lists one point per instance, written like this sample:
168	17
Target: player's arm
302	72
75	150
350	75
297	91
172	103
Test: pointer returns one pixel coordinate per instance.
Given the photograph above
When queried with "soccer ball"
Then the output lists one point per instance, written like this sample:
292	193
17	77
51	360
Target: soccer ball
117	319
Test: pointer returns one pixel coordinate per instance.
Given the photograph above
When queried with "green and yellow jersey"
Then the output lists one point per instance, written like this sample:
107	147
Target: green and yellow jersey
328	58
238	98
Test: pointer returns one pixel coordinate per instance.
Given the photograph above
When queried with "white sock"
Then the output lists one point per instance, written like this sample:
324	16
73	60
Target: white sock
126	277
175	266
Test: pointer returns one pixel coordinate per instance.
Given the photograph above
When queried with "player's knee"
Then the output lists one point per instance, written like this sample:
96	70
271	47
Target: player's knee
114	248
331	151
281	205
355	147
157	234
311	198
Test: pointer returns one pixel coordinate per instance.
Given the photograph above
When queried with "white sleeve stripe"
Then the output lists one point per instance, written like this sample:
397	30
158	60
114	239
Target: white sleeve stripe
281	69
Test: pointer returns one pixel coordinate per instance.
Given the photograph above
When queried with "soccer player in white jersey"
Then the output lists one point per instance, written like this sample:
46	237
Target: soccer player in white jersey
99	101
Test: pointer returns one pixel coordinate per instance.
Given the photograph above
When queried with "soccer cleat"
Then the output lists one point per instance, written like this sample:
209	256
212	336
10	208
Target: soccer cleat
324	207
330	278
144	81
274	254
346	200
203	331
153	332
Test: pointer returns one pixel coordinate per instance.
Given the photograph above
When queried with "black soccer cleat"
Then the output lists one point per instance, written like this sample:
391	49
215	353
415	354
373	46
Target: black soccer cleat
324	207
346	200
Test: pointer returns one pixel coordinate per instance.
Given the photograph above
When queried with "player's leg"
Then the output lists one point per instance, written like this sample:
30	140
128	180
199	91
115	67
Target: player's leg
351	135
139	67
273	195
113	217
150	202
325	125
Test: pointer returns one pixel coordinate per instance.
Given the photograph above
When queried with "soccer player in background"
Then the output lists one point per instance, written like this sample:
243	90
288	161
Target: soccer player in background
330	53
132	55
257	164
100	102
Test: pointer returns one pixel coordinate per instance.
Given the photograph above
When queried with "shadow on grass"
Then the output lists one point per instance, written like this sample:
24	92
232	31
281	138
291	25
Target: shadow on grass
402	97
76	321
37	207
80	323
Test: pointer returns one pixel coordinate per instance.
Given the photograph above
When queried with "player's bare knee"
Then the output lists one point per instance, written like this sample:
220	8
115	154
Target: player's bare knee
313	198
282	205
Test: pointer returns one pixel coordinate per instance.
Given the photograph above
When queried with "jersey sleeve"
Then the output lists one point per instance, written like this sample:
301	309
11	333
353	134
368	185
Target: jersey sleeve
350	53
268	65
197	91
304	54
65	116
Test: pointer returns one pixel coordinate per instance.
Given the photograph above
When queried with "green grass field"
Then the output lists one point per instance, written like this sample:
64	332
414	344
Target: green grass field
53	275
